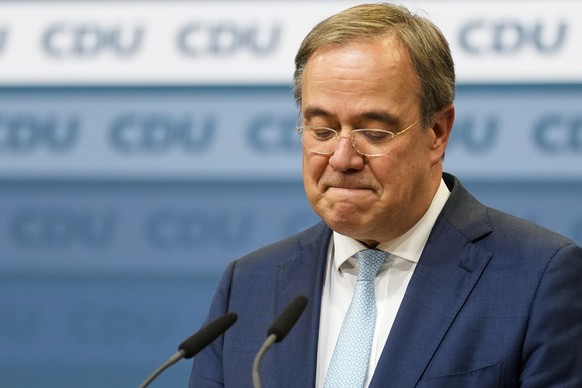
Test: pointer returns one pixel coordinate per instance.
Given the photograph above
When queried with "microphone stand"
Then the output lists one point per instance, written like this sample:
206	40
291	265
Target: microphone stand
171	361
266	345
278	331
195	343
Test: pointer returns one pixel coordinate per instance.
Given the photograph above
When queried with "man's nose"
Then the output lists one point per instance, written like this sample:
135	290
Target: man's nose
345	156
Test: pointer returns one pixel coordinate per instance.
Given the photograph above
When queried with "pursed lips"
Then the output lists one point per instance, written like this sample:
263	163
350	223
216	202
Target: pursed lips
348	188
343	183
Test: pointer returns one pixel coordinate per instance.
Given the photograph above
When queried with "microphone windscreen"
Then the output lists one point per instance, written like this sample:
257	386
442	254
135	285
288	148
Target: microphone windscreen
202	338
287	319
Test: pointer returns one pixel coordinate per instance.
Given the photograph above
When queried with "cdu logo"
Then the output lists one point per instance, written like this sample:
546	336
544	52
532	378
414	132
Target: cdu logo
62	227
200	228
134	133
90	40
475	135
558	134
271	134
506	37
227	39
23	133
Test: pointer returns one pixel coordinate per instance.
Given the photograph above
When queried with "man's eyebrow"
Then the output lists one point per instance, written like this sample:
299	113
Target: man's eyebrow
310	112
381	116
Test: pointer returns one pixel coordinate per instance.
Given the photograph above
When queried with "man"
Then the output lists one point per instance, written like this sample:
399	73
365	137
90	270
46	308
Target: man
465	297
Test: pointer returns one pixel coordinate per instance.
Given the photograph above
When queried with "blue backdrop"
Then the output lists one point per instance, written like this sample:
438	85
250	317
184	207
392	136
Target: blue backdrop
120	206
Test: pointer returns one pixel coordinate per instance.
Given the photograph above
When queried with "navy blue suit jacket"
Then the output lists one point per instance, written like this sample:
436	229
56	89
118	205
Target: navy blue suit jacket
494	301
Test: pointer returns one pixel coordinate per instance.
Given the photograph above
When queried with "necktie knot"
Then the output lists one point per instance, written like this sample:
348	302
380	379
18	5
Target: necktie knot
370	261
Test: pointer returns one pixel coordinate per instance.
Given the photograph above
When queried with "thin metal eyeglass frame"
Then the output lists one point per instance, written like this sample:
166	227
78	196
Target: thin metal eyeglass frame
300	130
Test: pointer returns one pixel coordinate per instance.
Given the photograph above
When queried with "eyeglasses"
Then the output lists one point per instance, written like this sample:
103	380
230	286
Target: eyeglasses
367	142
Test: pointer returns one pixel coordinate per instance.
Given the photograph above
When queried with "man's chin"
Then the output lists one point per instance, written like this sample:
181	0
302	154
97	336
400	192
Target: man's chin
345	223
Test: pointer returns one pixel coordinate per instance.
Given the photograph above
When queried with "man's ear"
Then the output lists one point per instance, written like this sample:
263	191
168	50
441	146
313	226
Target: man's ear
441	128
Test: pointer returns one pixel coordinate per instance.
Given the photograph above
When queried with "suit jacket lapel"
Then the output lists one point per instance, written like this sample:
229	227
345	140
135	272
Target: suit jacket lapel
445	275
296	356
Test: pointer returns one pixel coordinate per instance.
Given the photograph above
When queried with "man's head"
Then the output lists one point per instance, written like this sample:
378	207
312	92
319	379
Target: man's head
426	45
375	67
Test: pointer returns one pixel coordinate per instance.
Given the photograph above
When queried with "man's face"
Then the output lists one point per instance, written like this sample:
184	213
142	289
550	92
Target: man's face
369	84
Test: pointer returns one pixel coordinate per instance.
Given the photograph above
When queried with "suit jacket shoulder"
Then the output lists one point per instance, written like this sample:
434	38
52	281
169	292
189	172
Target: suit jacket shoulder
505	235
494	302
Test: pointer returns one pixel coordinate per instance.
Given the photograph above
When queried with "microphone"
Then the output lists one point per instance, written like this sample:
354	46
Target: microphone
195	343
278	331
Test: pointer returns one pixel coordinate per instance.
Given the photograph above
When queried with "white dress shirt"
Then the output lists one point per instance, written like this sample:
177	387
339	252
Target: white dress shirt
390	284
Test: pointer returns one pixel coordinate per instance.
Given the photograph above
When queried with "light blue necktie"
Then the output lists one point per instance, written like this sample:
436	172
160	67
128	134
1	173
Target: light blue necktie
349	363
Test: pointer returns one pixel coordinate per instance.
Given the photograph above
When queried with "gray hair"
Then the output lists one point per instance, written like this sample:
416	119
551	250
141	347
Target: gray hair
427	46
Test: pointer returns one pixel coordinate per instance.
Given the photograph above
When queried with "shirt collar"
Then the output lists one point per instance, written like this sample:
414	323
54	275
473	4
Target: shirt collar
409	246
